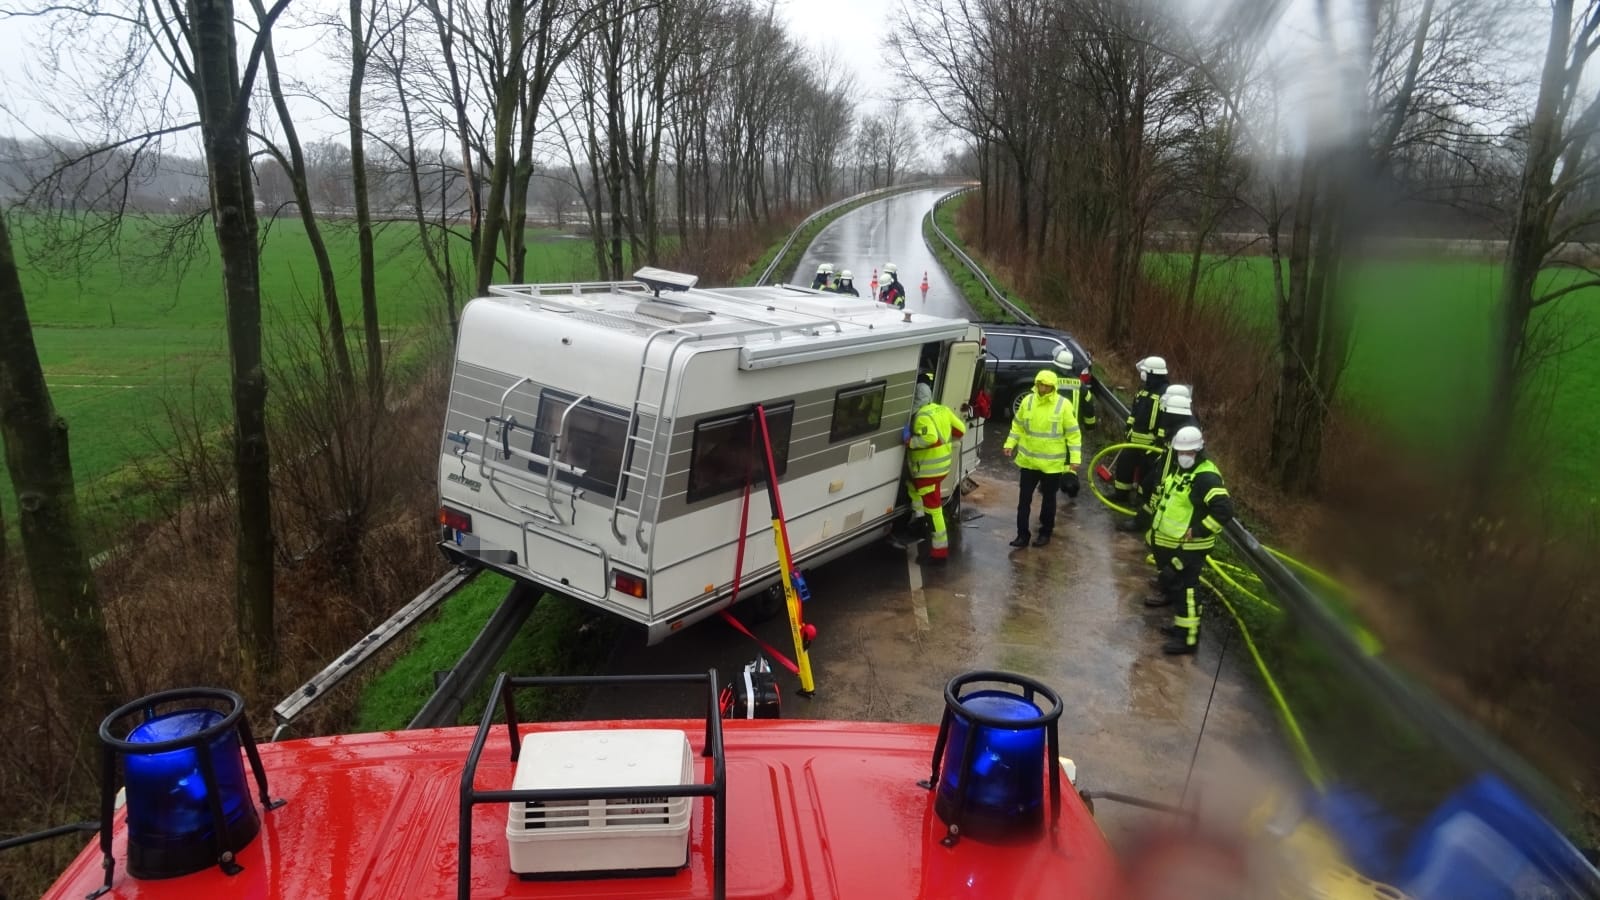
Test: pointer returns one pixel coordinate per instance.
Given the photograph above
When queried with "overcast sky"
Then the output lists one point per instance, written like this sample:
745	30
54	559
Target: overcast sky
853	30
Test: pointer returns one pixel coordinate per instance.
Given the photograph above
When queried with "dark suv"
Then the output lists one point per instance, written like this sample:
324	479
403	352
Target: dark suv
1017	353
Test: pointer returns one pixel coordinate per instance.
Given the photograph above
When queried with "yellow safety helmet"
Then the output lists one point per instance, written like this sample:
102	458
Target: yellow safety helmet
1045	376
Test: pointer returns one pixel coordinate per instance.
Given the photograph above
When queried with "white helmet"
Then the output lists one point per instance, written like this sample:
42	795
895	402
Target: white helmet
1188	439
825	269
889	269
1152	365
1177	403
846	275
1065	359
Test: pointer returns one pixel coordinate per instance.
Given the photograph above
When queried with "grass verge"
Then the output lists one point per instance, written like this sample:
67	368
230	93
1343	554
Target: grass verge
561	636
976	295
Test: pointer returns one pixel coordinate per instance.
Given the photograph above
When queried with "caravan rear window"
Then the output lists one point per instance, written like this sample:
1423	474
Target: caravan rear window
724	454
595	438
857	411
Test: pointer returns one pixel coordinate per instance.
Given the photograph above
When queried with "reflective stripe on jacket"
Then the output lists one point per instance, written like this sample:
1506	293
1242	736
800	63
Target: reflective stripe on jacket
1046	434
934	432
1191	508
1142	419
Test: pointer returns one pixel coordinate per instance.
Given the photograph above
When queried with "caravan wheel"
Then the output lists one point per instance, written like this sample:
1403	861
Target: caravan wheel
769	605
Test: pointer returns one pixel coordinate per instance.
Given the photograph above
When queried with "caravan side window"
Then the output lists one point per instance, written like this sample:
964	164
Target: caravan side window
724	453
595	439
857	411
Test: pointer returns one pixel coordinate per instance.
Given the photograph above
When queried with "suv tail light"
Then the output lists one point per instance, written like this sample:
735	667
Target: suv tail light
455	518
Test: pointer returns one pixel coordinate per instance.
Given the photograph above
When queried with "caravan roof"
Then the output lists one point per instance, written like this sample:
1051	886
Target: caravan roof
775	325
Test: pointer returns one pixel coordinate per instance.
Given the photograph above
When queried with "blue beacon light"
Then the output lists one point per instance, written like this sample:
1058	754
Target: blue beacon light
990	760
188	803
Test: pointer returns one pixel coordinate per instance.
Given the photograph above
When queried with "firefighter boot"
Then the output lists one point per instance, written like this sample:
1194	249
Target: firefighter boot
1179	645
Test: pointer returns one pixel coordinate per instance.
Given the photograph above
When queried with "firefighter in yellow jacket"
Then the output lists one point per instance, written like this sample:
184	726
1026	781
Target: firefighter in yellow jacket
1046	443
1191	508
933	438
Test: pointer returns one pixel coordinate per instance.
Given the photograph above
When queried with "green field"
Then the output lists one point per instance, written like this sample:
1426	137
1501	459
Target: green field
1420	359
121	336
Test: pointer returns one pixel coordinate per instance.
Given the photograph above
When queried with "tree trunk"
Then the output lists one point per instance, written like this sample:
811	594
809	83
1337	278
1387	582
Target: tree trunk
507	91
37	458
301	185
614	138
445	23
1293	417
223	124
437	258
1529	241
358	184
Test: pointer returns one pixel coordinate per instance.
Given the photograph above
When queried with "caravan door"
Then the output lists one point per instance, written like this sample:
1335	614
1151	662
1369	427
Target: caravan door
960	374
960	380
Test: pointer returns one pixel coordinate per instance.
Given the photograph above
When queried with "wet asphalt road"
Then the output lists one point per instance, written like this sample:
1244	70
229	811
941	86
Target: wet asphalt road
889	230
893	631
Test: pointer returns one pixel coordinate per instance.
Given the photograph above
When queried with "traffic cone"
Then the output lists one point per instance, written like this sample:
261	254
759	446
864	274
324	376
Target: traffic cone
924	285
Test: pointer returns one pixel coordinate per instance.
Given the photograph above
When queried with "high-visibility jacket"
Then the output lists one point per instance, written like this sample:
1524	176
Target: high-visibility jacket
1045	434
1191	508
1156	475
935	435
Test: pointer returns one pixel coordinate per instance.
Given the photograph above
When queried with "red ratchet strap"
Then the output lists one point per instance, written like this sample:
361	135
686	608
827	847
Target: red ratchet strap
772	651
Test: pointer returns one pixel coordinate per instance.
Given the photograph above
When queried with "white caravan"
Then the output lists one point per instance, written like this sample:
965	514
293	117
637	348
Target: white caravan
597	441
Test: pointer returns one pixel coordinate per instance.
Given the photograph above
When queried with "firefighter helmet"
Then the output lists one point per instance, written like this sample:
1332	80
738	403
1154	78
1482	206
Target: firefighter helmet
1152	365
1065	359
1188	439
889	269
1178	404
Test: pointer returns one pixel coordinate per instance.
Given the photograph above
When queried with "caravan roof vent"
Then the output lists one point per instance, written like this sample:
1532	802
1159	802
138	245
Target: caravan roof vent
671	312
659	280
637	834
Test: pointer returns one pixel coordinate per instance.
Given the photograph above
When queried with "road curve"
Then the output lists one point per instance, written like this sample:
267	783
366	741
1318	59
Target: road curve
884	231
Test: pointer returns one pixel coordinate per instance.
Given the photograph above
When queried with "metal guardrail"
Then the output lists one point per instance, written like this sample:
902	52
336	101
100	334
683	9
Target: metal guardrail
319	684
1407	699
826	210
995	293
444	707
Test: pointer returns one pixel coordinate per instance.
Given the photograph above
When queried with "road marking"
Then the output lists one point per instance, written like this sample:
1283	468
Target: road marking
919	602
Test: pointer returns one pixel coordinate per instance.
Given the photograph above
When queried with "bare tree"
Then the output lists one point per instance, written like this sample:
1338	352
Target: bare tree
37	458
1556	203
363	32
299	181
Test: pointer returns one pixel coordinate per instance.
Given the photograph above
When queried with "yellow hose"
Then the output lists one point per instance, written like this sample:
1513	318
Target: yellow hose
1262	601
1297	738
1094	483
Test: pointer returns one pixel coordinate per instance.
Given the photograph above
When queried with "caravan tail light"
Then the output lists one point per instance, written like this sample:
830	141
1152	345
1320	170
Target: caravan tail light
455	518
632	585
